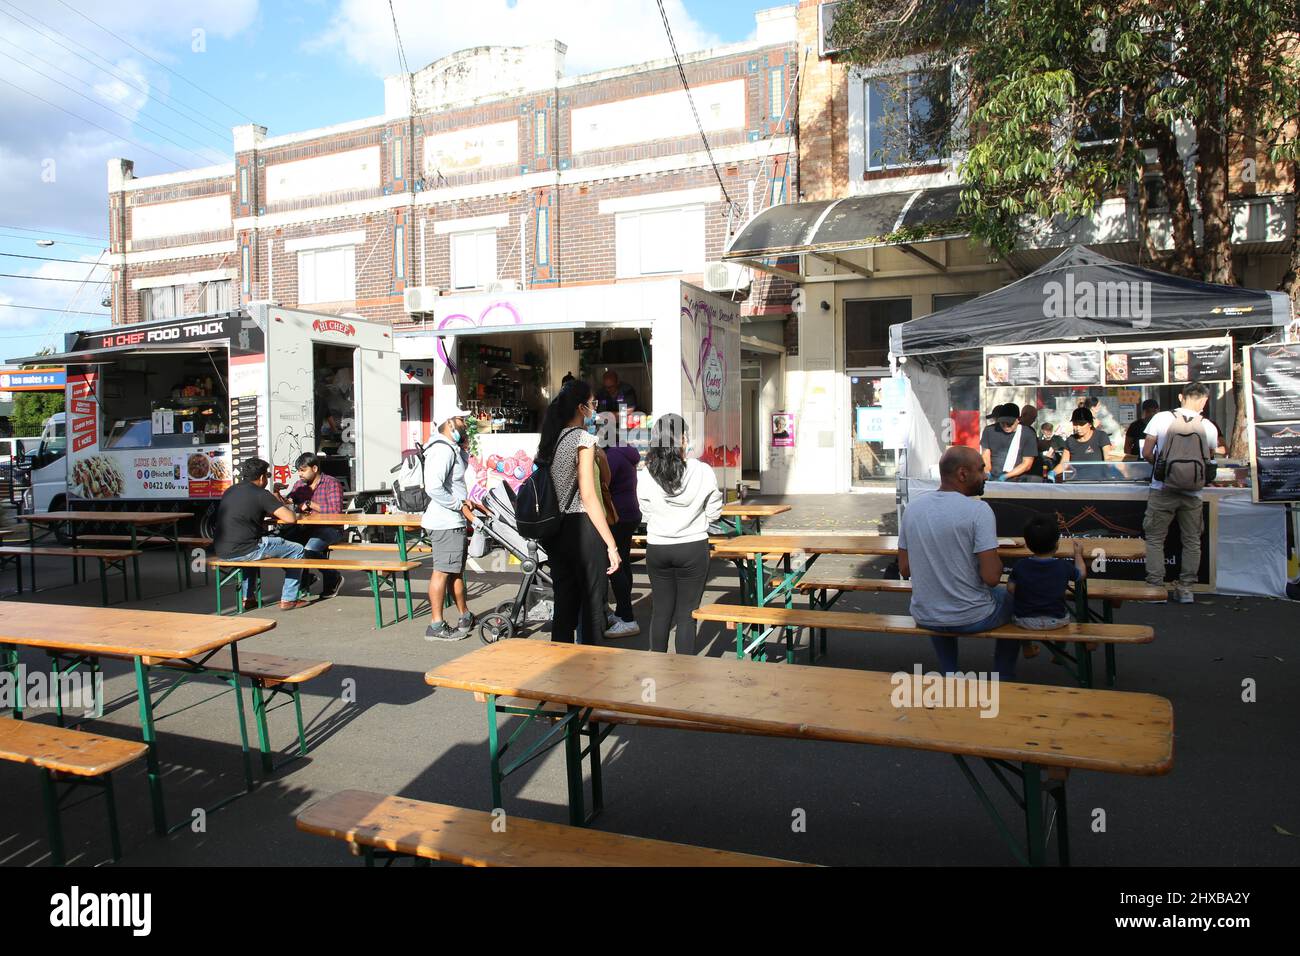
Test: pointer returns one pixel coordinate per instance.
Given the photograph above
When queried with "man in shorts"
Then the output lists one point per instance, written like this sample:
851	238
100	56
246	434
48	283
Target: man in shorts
444	523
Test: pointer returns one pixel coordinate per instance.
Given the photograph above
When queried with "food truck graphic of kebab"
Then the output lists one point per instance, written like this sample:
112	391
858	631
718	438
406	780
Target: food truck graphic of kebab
169	410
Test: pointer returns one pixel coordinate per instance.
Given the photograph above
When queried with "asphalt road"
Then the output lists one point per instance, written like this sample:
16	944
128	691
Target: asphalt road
1230	799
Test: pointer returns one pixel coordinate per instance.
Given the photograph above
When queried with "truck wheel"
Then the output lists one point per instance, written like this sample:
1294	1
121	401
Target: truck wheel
208	522
63	531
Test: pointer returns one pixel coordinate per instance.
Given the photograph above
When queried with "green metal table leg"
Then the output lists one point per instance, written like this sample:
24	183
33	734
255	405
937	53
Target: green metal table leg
1035	837
597	785
103	582
151	741
374	592
259	716
10	658
239	710
1062	823
573	764
401	555
494	754
52	825
218	580
182	566
135	564
1083	663
114	839
297	712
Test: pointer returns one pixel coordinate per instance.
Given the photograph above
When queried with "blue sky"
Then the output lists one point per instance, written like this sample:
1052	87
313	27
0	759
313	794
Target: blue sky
73	95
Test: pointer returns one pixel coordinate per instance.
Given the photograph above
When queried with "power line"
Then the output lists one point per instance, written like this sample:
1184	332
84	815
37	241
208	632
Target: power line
62	242
159	62
45	308
690	98
156	95
91	122
129	119
15	255
19	275
52	232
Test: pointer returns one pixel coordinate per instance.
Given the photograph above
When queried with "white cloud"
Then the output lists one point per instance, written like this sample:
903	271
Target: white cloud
599	35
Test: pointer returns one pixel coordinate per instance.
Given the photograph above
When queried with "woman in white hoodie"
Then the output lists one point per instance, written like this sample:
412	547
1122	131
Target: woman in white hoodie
679	496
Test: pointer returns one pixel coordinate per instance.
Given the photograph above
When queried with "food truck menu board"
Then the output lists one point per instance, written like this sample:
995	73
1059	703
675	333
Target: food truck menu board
1135	366
1014	368
1201	362
1077	366
1273	378
243	429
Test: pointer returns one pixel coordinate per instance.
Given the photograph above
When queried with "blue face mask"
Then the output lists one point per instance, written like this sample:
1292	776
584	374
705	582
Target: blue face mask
455	436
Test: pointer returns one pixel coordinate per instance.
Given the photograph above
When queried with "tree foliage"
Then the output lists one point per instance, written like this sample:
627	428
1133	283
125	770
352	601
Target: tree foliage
31	409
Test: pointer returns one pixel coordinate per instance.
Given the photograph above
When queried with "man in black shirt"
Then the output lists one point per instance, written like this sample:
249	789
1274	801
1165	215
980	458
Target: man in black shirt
614	393
1136	432
240	534
1008	447
1086	444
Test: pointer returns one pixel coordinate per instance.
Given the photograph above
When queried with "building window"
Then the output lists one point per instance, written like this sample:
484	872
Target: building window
399	252
946	300
327	275
659	241
776	91
173	301
543	252
866	330
473	259
246	270
907	119
243	185
540	126
396	158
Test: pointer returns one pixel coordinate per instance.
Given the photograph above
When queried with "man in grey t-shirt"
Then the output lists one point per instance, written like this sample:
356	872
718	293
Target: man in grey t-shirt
948	546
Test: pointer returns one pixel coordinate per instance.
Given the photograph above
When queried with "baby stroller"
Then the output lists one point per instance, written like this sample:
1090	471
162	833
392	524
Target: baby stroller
535	600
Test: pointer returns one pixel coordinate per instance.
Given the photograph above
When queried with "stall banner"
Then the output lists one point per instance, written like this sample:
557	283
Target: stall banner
1143	363
1014	368
1072	366
34	380
1201	362
1273	383
202	472
1135	366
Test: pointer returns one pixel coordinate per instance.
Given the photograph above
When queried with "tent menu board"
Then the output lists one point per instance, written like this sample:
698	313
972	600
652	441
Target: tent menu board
1144	363
1273	381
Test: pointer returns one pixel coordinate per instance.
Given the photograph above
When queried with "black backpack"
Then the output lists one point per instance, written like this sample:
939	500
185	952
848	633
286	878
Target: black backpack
537	507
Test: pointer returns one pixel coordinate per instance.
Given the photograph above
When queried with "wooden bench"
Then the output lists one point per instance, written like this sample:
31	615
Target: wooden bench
379	572
1111	594
391	548
1031	736
387	827
72	757
110	559
1081	634
265	672
190	539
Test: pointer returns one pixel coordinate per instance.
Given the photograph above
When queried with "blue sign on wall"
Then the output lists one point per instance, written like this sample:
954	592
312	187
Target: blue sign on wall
33	381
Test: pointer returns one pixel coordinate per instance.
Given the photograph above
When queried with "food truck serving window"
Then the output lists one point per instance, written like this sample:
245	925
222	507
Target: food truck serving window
164	400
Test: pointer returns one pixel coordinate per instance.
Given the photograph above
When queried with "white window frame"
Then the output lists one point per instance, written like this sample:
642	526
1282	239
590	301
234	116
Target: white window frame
339	265
478	244
860	160
632	258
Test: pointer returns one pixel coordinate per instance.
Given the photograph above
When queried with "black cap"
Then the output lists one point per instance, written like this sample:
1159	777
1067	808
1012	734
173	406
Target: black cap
1081	416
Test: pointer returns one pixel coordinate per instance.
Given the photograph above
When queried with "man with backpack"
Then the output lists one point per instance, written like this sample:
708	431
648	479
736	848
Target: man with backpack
444	520
1180	446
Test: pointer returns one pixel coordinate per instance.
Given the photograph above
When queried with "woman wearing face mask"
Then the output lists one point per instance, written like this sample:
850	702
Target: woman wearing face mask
583	552
622	461
679	496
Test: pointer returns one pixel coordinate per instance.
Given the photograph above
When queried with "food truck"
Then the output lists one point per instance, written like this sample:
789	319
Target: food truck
1085	329
503	356
165	412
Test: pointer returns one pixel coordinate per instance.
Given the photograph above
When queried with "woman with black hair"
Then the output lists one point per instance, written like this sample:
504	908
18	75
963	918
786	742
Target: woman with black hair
679	497
583	552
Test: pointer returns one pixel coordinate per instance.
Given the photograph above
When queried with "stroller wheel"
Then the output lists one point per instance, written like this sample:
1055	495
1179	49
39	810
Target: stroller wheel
506	608
495	627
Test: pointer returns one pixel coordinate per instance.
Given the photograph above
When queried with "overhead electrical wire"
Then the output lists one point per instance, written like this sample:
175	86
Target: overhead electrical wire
19	275
53	232
45	308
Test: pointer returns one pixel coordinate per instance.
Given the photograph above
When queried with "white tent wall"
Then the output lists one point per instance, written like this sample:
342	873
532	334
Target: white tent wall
927	410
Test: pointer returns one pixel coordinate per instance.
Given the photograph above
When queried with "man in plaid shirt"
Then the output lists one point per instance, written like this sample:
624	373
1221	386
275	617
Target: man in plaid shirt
317	493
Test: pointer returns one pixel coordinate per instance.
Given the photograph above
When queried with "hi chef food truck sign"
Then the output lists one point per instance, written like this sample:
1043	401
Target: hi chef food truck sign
169	410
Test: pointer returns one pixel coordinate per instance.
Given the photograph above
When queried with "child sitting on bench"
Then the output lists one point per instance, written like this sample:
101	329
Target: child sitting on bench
1038	583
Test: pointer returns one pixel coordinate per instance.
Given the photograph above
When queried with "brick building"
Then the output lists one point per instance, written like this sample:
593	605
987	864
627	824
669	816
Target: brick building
488	171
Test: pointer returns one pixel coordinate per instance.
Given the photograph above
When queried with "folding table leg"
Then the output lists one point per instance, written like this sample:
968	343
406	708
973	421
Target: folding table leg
54	828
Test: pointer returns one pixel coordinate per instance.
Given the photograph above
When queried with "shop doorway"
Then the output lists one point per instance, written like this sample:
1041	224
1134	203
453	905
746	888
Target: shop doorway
334	377
872	465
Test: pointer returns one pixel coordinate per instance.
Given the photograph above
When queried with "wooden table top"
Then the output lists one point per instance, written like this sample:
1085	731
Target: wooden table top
1052	726
116	517
740	510
390	520
122	632
887	544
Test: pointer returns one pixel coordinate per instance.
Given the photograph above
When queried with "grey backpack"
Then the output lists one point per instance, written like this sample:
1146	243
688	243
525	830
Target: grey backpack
1183	463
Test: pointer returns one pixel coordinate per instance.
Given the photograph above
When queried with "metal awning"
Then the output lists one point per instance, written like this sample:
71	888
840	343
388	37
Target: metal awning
114	352
856	222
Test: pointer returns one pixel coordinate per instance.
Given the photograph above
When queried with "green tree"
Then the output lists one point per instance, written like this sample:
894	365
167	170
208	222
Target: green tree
1063	99
32	408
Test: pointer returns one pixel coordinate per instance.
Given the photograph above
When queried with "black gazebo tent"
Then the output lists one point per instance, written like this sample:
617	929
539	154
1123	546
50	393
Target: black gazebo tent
1083	295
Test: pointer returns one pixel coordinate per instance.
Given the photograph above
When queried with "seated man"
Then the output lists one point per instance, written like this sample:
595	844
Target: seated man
240	534
948	546
317	493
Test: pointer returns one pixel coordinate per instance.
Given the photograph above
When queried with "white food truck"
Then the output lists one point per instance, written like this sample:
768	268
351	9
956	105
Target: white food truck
162	414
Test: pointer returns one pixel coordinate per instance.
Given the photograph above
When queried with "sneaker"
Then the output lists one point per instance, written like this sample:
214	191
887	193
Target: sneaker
250	604
294	605
333	589
1185	595
466	622
610	619
441	632
623	629
306	581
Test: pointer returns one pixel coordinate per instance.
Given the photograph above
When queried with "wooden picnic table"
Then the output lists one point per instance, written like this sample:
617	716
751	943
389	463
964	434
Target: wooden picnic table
75	636
393	519
741	512
161	520
1036	726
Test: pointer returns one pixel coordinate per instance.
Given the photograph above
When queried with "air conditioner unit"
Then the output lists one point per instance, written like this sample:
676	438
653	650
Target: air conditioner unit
503	285
421	298
726	277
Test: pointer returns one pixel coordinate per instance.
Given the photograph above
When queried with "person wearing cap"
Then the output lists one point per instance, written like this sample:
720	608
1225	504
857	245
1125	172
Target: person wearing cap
1136	432
444	523
1008	448
1088	443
